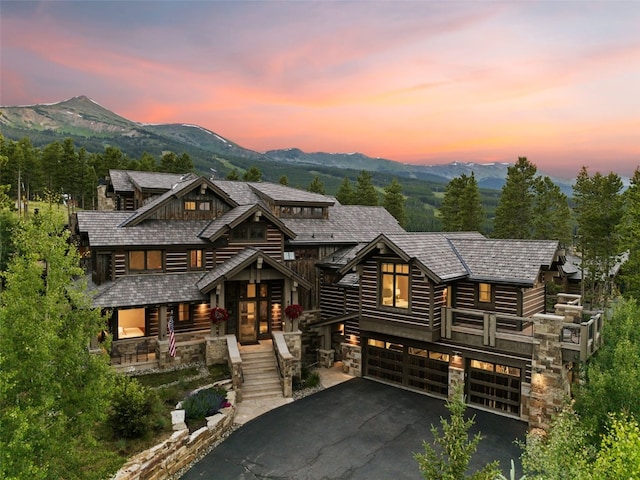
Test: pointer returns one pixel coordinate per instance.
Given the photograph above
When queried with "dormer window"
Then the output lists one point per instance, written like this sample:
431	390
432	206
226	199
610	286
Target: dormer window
287	211
193	205
394	279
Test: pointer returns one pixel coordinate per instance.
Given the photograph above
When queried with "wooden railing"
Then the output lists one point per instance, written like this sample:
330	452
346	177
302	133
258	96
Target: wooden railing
584	337
490	325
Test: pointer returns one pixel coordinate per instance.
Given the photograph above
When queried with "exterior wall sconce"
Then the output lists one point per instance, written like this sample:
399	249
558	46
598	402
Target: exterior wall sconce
456	359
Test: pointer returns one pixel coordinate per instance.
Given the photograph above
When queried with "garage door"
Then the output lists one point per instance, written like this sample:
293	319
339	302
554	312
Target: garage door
494	386
416	368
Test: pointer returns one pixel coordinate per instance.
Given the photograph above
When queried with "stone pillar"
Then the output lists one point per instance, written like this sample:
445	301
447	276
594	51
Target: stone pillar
456	378
215	350
351	359
294	344
326	357
549	380
162	354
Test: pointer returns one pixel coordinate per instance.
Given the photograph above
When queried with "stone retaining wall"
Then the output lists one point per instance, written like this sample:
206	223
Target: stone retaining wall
181	449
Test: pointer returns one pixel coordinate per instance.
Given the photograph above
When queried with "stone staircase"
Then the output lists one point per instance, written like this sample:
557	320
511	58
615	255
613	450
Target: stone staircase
260	370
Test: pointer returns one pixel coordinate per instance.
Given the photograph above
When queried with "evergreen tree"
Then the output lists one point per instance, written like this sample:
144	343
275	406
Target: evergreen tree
599	208
252	175
284	180
461	208
629	232
172	163
365	191
54	389
345	193
513	214
394	202
233	175
147	163
550	213
450	455
316	186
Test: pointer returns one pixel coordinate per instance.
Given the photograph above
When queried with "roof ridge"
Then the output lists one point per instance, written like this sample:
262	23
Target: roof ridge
458	254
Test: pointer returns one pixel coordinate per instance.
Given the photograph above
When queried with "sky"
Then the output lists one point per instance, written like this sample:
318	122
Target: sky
421	82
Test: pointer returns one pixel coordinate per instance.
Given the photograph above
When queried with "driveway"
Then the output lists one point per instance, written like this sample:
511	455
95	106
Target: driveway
359	429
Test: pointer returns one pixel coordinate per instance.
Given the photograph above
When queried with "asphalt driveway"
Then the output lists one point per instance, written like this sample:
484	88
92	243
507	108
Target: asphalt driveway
359	429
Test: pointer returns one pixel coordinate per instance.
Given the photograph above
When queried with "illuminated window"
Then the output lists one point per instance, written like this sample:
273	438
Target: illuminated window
196	259
395	285
141	260
484	292
189	205
184	312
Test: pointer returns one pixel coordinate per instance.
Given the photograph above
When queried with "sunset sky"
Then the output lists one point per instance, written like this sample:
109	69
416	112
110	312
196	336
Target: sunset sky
412	81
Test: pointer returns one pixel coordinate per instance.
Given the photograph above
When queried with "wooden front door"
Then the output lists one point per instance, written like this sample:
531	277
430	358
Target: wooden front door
247	312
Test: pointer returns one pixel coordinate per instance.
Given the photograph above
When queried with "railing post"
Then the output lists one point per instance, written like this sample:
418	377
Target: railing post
584	341
492	330
485	328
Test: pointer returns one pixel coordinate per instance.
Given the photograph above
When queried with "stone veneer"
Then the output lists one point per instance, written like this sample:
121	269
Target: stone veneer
351	359
181	449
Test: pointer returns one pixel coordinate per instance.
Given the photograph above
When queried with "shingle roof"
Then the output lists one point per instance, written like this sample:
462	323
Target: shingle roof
104	231
282	194
240	192
433	251
513	261
238	215
341	256
346	224
125	180
135	290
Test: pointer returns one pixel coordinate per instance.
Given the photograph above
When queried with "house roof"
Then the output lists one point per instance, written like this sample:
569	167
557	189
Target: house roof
346	224
509	261
239	192
283	195
449	256
341	256
103	230
138	290
237	263
128	180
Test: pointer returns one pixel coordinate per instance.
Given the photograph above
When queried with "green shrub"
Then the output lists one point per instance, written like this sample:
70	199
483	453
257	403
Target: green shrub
204	403
312	380
134	408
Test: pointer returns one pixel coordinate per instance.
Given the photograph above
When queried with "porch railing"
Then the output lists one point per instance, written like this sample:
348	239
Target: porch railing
490	325
584	337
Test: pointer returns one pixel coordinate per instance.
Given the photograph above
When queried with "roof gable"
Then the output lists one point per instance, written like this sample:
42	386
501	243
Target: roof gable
239	215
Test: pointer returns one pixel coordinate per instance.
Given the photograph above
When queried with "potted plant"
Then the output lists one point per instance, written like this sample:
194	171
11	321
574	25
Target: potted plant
292	312
218	315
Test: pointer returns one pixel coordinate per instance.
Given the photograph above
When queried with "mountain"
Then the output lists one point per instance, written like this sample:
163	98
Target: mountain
95	127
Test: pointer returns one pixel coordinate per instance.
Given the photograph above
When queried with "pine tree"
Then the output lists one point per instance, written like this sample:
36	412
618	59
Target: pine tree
394	202
365	191
599	208
550	213
233	175
284	180
345	192
461	208
316	186
252	175
513	214
629	232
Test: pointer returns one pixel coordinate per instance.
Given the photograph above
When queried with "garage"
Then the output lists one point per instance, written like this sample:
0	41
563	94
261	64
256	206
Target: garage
494	386
412	367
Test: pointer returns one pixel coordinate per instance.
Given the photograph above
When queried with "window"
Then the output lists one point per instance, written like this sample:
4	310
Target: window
204	206
131	323
141	260
193	205
189	205
484	292
196	259
184	312
249	232
395	285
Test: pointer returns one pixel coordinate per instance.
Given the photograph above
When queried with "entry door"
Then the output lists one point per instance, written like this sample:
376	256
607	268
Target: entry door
248	321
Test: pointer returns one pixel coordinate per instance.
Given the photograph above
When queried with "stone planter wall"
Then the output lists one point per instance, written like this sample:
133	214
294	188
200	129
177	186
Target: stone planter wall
181	449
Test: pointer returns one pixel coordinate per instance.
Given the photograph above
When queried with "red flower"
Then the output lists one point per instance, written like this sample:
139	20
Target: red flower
293	311
219	315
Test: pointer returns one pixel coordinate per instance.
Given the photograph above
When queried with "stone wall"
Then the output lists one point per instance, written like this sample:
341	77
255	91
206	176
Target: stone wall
181	449
294	344
189	351
351	359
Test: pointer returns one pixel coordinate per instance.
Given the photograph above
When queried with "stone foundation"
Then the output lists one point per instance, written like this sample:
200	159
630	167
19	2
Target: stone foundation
351	359
216	350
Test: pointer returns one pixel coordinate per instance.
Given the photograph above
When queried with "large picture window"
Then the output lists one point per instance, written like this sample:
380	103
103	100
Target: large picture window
395	285
142	260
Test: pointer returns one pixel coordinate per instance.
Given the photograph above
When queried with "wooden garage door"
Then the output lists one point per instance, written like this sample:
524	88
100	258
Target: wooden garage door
494	386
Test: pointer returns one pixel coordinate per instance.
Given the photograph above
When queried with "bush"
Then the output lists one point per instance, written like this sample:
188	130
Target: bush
204	403
134	408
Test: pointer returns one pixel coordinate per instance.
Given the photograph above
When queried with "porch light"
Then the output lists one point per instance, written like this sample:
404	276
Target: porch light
456	359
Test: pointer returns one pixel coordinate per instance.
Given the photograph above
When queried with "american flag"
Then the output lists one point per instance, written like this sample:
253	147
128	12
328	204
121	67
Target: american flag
172	338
